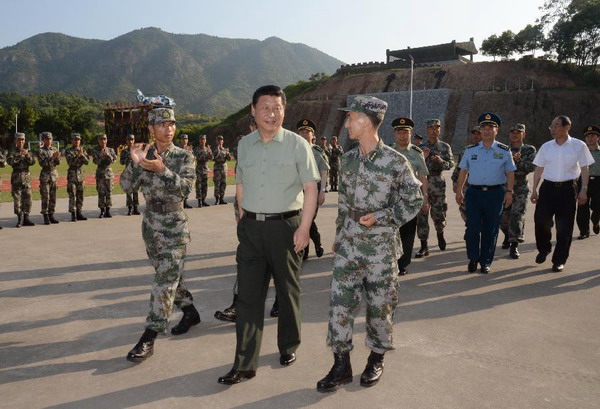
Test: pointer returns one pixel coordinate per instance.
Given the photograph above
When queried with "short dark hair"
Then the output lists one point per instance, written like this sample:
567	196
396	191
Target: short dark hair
270	90
375	121
564	120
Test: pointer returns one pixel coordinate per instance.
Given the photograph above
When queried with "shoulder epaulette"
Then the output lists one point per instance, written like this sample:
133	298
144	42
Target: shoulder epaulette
318	148
417	148
503	146
471	146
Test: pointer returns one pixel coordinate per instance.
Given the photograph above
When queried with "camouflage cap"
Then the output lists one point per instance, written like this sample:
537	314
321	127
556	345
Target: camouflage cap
202	137
46	134
131	136
19	135
433	122
591	129
333	137
518	127
417	136
306	124
220	137
489	118
159	115
367	105
183	136
103	136
75	136
403	123
476	128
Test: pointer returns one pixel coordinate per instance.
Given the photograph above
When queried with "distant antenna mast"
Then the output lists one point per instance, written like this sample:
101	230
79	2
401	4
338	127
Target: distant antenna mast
412	62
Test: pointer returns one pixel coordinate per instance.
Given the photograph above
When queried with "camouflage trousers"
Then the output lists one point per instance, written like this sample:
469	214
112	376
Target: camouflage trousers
132	199
513	217
437	208
48	195
380	285
462	209
334	178
220	181
104	188
21	194
168	288
201	186
75	190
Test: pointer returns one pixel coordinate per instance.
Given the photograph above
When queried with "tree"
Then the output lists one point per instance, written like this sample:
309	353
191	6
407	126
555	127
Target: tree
491	46
529	39
502	46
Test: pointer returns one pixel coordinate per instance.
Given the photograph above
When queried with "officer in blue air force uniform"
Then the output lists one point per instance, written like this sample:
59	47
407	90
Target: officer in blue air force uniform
490	168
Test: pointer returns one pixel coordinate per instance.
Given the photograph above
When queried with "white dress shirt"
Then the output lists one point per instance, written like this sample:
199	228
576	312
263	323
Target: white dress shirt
563	162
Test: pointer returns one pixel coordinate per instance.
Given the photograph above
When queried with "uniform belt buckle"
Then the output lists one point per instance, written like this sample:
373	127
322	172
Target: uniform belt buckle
484	188
261	217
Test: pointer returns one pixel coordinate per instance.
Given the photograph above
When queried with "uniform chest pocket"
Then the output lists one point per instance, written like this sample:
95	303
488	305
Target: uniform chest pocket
284	172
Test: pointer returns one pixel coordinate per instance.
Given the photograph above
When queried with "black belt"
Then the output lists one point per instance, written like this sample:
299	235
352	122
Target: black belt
263	217
485	188
164	207
560	184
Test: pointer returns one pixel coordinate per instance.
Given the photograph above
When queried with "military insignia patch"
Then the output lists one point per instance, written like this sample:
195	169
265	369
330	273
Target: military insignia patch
473	157
402	121
498	155
488	116
305	122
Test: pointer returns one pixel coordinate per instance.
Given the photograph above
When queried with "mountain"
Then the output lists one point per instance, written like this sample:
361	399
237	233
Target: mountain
203	73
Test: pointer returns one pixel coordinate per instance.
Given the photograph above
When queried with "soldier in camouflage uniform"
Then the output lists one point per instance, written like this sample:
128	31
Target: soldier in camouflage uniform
334	163
48	158
378	194
438	157
131	198
165	174
103	156
2	164
184	143
76	157
475	138
513	217
203	154
21	159
220	155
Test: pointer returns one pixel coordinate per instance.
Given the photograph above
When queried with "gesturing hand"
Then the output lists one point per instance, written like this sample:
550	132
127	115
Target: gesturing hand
138	152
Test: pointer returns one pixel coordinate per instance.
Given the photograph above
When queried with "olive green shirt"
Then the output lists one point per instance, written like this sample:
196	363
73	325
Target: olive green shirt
415	157
595	167
272	174
320	159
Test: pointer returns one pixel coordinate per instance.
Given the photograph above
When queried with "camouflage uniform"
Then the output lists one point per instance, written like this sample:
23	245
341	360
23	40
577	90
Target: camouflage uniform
2	164
48	177
380	183
202	158
513	217
104	175
165	229
132	197
76	177
221	156
334	162
437	188
462	207
20	180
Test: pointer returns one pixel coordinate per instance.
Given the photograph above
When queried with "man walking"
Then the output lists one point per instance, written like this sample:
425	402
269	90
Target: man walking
591	134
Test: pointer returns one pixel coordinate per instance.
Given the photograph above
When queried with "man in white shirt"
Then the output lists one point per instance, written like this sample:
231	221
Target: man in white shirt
560	162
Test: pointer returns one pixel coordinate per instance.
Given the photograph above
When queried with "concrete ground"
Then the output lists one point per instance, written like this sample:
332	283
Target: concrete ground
74	296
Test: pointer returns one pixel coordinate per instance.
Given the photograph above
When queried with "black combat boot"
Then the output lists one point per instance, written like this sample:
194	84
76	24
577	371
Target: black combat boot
319	250
199	203
441	241
340	374
26	221
73	217
204	204
80	216
19	221
505	243
101	213
228	314
135	211
373	370
190	318
217	200
423	251
46	219
275	309
305	254
221	201
107	212
186	205
52	219
514	250
128	210
144	348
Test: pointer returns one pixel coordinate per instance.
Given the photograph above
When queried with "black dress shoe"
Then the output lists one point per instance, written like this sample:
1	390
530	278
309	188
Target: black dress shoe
557	268
275	309
232	377
287	359
472	267
403	271
485	269
596	228
373	370
319	251
583	236
441	241
541	257
190	318
144	348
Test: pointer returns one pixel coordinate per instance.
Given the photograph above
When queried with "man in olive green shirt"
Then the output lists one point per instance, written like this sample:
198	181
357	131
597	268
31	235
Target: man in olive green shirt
403	128
591	135
276	193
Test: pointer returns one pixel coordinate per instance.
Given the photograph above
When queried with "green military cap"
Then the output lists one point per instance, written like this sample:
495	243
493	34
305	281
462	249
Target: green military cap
159	115
75	136
45	135
367	105
19	135
306	124
591	129
518	127
489	118
434	122
403	123
475	129
103	136
131	136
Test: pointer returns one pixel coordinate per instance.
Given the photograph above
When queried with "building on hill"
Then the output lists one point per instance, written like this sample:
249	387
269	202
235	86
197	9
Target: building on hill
441	54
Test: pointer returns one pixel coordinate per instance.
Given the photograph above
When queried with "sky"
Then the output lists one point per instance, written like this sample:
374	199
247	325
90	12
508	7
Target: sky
352	31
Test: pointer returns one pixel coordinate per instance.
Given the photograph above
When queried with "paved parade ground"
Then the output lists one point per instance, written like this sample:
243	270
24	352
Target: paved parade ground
73	298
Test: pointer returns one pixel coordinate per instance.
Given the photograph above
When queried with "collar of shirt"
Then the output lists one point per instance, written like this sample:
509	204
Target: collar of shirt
405	149
255	136
494	145
373	154
568	141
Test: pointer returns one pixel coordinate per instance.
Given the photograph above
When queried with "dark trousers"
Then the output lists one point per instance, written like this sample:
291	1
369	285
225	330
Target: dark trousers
484	213
556	203
593	204
265	248
407	235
